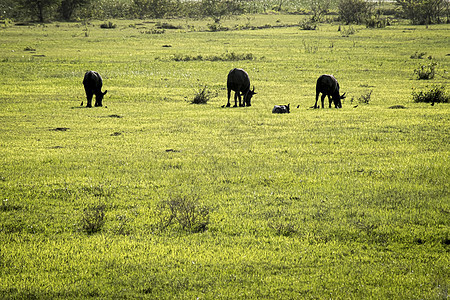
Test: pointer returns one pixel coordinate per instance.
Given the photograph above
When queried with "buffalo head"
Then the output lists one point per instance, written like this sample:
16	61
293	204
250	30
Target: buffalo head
248	97
337	100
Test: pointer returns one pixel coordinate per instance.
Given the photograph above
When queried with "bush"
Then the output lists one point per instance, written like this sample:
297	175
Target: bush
202	96
93	219
319	8
183	212
354	11
436	94
377	22
217	27
347	32
102	9
167	26
365	98
426	71
153	31
422	12
418	55
284	228
308	25
217	9
155	8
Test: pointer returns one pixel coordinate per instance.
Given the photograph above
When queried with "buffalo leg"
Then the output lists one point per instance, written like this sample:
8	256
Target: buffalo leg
89	96
317	98
229	95
329	100
236	95
98	100
322	100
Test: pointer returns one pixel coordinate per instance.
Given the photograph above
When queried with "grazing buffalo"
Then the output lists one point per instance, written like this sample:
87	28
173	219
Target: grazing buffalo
93	86
239	82
281	109
328	86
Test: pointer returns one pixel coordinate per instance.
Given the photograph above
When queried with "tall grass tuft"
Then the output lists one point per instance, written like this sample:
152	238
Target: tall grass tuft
184	213
202	96
93	219
365	98
426	71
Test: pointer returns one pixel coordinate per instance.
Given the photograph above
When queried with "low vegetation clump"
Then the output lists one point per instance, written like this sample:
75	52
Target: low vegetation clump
8	206
93	219
346	32
426	71
435	94
229	56
165	25
202	96
29	48
285	228
308	25
183	213
377	22
217	27
418	55
153	31
365	98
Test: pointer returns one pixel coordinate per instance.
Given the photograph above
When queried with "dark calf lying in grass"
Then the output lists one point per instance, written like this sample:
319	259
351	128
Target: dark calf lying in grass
93	86
328	86
281	109
239	82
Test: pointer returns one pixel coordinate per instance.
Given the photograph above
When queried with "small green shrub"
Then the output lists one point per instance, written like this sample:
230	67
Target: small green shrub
308	25
310	48
217	27
354	11
418	55
229	56
6	205
167	26
183	212
284	228
376	22
202	96
93	219
153	31
435	94
426	71
123	228
365	98
347	32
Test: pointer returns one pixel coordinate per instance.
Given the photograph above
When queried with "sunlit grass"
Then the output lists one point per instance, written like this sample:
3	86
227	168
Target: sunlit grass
349	203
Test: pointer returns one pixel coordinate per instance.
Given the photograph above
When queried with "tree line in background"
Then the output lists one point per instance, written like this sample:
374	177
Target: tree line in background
348	11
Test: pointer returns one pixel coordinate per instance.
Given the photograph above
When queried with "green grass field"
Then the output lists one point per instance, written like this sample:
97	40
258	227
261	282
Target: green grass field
316	204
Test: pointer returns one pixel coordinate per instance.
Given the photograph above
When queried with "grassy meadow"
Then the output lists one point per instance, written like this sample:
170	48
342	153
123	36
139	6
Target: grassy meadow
153	197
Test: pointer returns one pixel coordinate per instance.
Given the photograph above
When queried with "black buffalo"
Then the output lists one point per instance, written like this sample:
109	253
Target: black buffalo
93	86
328	86
281	109
239	82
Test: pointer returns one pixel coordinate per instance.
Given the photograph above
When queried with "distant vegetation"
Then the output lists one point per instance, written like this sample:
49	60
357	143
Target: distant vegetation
346	11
